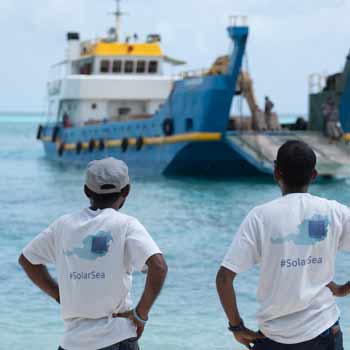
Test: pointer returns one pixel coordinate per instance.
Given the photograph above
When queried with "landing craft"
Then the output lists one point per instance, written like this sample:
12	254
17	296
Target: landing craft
111	97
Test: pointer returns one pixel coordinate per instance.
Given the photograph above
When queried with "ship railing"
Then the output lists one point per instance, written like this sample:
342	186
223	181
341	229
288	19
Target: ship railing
238	21
87	45
54	87
190	74
317	82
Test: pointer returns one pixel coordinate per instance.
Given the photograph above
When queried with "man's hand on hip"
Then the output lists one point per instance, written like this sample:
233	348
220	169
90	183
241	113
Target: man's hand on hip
247	337
339	290
140	327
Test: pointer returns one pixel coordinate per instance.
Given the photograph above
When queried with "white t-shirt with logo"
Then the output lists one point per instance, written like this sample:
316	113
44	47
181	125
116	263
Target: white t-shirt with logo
295	240
95	253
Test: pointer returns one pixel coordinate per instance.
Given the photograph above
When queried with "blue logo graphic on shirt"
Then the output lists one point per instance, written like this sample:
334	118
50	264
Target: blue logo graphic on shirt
94	246
310	232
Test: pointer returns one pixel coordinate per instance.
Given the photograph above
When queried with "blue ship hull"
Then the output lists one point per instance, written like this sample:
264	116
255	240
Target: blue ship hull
183	158
197	144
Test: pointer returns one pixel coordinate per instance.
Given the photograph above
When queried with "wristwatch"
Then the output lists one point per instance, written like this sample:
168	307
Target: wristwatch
239	328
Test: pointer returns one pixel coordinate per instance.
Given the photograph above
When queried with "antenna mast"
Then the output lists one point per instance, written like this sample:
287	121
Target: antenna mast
118	15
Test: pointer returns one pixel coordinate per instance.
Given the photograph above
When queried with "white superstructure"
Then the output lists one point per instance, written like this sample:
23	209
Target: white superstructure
107	79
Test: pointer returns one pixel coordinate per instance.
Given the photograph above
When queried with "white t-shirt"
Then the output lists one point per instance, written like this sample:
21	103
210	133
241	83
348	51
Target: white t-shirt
95	253
295	240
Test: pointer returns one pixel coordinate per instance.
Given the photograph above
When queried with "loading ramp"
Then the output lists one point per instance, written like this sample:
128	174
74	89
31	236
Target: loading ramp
260	149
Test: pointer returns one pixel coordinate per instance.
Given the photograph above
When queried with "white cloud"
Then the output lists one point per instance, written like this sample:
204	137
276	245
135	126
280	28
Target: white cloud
288	39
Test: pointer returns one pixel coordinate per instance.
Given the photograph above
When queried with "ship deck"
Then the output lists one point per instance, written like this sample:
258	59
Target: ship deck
260	149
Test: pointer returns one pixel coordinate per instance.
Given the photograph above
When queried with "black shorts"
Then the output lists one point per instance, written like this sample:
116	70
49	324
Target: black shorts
325	341
128	344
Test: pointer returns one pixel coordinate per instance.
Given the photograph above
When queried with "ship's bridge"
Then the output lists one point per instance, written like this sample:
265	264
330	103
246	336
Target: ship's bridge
110	78
105	79
103	57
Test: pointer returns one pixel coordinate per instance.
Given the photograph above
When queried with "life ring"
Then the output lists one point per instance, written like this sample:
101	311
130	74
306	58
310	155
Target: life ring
168	126
101	145
61	149
55	132
125	144
92	145
139	143
79	147
39	132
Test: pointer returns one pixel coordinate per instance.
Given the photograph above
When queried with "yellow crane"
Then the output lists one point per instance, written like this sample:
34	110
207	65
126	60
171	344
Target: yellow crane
245	87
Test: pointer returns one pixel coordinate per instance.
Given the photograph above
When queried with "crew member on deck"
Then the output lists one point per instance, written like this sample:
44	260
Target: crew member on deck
332	126
95	252
295	240
268	112
66	121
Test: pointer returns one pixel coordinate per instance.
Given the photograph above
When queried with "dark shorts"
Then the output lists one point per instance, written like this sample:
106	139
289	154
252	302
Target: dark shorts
325	341
129	344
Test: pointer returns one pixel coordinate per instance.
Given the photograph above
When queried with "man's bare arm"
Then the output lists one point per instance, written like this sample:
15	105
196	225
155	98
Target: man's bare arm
40	276
224	286
157	271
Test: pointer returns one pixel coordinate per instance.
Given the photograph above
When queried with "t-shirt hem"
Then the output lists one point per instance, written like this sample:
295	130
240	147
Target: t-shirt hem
98	345
283	340
30	258
232	267
146	257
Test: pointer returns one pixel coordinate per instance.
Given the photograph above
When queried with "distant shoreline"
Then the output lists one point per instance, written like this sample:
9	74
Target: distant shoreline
22	113
42	114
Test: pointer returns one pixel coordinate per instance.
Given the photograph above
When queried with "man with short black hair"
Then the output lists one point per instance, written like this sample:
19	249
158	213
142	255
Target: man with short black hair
295	240
95	252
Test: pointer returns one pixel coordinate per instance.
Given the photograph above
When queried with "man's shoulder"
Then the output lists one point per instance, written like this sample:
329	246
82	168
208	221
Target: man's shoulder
68	217
119	219
330	203
119	216
266	207
281	205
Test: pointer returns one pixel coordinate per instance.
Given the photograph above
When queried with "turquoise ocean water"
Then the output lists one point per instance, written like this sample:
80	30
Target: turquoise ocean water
192	220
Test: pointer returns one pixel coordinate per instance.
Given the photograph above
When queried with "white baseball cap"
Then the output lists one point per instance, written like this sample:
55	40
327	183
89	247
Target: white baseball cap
109	175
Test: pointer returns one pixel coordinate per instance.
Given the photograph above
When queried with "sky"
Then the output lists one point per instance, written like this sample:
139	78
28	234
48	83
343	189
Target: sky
288	40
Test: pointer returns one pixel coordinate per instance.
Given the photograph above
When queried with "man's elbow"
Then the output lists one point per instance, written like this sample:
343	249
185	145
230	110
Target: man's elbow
22	260
25	263
158	266
224	277
162	267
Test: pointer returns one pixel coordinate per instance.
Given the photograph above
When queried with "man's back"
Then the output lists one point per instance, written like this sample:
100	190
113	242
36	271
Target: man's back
295	239
95	252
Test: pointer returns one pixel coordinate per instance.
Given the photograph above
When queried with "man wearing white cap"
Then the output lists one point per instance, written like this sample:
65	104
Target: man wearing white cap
95	252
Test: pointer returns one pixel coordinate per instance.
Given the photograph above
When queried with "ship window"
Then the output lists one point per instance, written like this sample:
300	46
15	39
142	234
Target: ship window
141	67
117	66
94	106
124	111
129	66
86	69
153	67
104	66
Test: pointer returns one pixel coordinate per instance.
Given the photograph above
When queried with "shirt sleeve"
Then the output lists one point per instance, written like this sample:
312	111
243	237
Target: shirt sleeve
244	251
139	245
344	240
41	250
